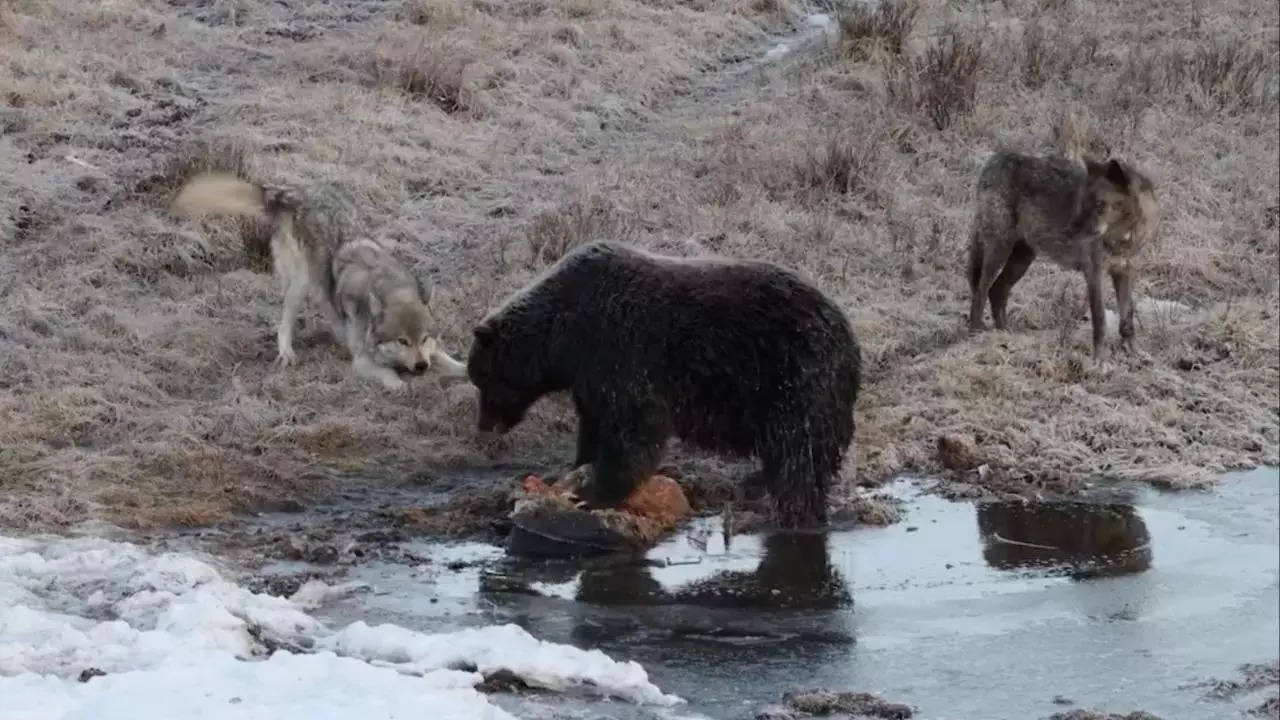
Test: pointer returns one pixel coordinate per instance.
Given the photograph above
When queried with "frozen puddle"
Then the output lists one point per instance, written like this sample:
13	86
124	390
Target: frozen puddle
812	26
1122	602
97	629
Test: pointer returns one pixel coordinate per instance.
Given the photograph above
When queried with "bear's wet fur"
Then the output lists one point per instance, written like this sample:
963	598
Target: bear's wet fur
739	357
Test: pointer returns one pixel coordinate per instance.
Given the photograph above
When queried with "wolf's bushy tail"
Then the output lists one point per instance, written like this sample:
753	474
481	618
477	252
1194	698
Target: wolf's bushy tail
226	194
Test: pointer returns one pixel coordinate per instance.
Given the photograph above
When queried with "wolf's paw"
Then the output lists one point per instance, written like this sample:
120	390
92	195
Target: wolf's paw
286	357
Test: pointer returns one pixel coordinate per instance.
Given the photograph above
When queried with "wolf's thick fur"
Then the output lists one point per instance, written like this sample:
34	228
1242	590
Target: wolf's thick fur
734	356
1083	214
373	304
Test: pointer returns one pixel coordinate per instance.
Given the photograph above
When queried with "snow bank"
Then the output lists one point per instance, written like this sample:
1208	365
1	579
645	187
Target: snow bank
177	640
506	647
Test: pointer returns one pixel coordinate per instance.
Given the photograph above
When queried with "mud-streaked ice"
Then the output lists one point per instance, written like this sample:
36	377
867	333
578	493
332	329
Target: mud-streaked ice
176	639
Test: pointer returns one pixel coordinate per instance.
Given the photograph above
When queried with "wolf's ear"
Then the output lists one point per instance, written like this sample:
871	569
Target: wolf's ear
1116	173
375	306
483	333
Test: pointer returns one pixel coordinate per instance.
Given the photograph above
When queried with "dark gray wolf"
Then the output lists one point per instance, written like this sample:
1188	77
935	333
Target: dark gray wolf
1081	213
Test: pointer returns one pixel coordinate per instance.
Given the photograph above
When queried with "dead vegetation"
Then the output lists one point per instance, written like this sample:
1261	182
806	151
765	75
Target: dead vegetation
942	83
867	30
487	139
425	66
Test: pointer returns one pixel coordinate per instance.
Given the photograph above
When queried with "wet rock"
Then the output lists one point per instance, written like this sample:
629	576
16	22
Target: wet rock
1100	715
956	452
868	510
381	537
89	673
1270	708
502	681
1253	676
825	703
959	491
322	554
280	585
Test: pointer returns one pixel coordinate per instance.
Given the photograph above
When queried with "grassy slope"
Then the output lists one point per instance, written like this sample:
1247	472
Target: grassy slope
486	137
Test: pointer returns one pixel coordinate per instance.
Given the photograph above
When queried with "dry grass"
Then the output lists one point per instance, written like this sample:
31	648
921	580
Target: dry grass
486	139
867	30
942	83
425	66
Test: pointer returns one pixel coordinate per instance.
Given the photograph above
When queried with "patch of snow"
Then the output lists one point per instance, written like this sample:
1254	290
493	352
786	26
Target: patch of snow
506	647
314	593
176	639
1156	306
777	51
819	20
564	591
1151	309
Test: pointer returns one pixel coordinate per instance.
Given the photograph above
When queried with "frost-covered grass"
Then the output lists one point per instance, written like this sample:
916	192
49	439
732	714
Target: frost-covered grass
177	640
485	139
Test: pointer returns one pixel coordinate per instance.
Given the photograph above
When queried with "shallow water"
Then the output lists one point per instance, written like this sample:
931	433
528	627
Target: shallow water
1121	602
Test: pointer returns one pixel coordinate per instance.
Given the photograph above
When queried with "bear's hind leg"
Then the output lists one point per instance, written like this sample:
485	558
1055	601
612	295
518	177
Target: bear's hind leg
754	485
588	440
798	487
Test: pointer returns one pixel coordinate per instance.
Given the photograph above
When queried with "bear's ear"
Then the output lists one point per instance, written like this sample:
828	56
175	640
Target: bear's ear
483	333
1116	174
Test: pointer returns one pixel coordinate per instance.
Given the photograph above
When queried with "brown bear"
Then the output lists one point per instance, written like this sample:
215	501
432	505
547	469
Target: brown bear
733	356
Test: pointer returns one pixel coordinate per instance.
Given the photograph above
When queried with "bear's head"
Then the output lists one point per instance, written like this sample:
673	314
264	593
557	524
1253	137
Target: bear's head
505	376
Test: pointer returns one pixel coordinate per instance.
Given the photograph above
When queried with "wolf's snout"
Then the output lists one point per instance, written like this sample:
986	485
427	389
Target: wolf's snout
420	367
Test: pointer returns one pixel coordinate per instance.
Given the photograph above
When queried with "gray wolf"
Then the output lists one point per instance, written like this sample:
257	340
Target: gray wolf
734	356
1084	215
372	303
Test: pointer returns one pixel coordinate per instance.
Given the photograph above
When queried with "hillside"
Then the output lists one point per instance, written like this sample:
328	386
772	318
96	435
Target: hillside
486	138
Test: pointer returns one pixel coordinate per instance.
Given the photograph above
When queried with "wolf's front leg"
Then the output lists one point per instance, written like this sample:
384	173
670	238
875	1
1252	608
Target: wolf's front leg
291	272
295	293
